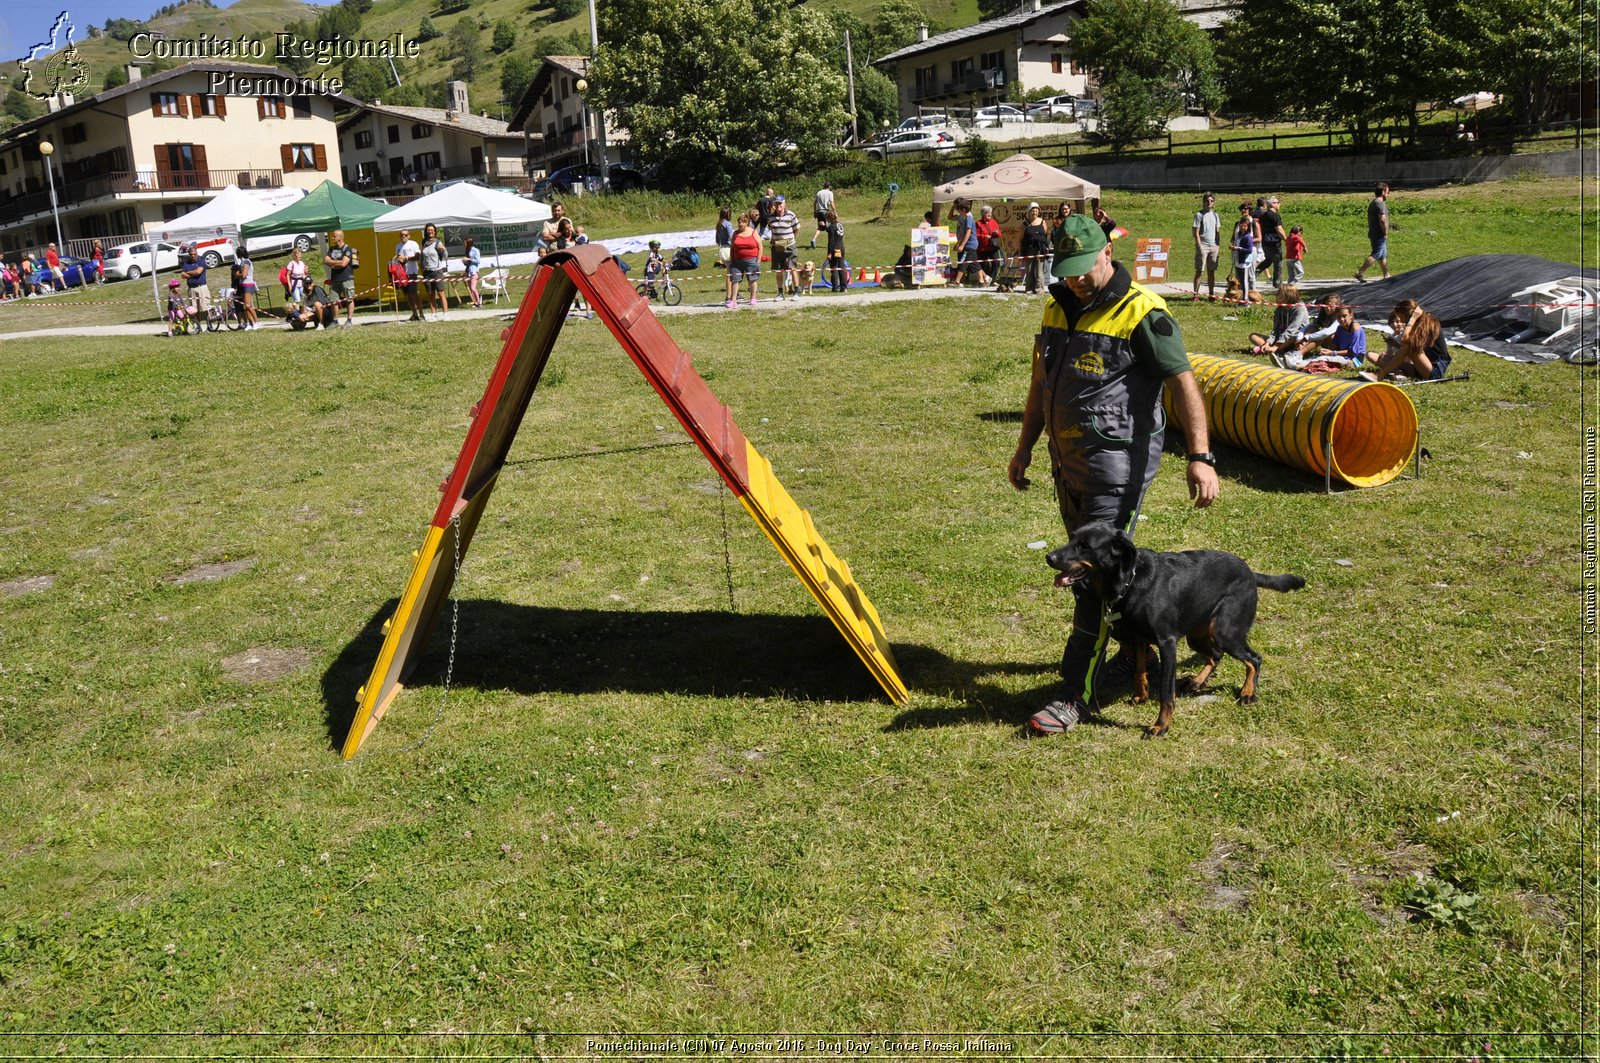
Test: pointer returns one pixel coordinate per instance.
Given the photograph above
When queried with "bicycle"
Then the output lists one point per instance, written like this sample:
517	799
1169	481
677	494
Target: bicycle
660	287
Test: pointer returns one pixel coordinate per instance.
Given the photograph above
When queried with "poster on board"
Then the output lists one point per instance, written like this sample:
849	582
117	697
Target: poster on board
930	254
1150	257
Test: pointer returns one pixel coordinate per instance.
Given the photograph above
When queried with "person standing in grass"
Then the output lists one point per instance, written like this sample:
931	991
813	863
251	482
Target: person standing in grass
1243	246
1106	351
1207	245
1295	248
783	225
1377	232
838	275
821	204
1036	249
408	256
341	261
744	262
434	261
98	257
472	262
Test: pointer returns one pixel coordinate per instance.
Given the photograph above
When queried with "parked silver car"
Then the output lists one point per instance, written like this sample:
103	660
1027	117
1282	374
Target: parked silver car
911	142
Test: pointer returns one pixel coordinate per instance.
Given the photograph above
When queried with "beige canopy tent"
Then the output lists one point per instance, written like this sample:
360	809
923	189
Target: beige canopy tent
1020	177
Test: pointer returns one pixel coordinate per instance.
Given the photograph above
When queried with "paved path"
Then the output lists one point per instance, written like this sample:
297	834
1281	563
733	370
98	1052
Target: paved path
856	297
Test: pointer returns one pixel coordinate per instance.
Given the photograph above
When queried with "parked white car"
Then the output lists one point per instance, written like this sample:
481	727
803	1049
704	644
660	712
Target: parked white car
925	121
1053	108
217	250
911	142
132	261
996	115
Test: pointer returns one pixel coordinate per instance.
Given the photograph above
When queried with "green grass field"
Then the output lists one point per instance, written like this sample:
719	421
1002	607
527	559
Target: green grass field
661	794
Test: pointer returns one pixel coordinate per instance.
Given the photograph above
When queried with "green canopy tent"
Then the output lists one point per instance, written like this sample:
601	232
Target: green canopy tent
325	208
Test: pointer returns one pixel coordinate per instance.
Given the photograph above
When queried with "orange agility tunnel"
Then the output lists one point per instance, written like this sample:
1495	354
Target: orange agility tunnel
1361	433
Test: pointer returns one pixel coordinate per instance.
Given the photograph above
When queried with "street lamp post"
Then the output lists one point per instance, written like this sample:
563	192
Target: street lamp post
48	149
594	53
583	101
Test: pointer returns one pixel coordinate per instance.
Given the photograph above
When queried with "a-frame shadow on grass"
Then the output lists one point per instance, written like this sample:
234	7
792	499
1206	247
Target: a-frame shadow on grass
528	649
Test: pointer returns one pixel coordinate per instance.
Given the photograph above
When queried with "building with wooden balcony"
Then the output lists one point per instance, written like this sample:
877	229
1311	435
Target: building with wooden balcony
1001	58
557	126
160	146
982	64
398	152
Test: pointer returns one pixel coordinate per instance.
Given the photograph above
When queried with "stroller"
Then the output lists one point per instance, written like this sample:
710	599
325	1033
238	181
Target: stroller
180	319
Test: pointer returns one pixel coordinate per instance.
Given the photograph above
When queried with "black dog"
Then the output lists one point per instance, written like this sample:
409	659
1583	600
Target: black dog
1208	595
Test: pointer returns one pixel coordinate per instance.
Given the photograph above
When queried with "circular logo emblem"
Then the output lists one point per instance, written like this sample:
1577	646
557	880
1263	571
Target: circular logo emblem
1012	175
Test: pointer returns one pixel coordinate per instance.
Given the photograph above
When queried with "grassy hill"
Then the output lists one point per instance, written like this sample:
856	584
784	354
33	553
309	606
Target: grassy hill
536	21
253	18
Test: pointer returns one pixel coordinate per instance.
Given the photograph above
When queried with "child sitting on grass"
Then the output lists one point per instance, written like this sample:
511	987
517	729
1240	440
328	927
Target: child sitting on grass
1289	322
1346	348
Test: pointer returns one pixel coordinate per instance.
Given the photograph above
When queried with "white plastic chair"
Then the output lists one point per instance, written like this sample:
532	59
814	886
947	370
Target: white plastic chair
493	281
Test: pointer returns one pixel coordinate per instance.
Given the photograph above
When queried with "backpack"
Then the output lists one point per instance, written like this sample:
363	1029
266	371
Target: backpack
397	275
283	277
686	258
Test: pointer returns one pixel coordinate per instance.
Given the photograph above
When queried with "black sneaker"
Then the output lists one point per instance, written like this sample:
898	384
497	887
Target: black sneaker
1118	671
1056	717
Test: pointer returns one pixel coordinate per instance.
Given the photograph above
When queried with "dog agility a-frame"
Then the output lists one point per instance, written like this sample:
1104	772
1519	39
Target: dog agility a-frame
495	419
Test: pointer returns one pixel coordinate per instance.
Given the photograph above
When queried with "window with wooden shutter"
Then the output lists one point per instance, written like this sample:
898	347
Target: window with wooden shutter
320	156
164	103
222	105
163	164
183	106
261	106
199	155
286	156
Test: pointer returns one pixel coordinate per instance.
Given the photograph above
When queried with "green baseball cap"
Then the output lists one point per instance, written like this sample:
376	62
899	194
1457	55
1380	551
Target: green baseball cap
1078	241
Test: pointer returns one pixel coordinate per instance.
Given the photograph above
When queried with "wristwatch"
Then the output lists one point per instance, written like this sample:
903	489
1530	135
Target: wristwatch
1205	457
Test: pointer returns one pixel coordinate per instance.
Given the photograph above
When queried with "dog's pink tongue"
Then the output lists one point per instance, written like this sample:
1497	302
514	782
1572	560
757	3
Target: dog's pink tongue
1063	580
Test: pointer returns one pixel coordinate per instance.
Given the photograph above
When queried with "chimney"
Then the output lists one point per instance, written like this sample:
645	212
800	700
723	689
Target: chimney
133	71
457	91
58	101
922	32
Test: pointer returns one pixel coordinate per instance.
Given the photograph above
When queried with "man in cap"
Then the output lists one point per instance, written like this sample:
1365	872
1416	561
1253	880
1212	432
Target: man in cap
1106	349
783	225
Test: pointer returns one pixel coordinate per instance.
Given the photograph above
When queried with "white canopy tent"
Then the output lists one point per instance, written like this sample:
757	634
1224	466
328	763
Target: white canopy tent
1020	177
466	204
224	213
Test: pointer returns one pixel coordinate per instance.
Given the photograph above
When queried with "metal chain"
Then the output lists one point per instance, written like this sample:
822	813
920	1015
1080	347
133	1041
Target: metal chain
727	558
449	668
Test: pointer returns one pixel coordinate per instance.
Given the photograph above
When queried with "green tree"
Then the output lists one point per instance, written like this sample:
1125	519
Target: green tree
366	79
114	77
877	100
1393	54
505	35
19	106
892	28
1532	52
299	63
1149	55
516	74
466	48
710	90
427	31
988	9
565	9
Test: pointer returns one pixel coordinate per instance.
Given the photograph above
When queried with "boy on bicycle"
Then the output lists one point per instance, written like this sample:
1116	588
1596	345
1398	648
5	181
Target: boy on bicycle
655	268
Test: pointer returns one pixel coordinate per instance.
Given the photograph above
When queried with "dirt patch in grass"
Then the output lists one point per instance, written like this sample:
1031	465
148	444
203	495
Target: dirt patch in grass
1216	869
261	664
1401	859
212	571
30	585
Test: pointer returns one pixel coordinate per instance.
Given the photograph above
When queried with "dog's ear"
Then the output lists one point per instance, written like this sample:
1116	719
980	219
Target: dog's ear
1124	555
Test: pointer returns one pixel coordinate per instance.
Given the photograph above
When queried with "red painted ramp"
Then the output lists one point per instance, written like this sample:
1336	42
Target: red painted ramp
495	420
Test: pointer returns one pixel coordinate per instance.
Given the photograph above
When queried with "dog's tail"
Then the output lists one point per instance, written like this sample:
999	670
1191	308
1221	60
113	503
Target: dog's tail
1279	583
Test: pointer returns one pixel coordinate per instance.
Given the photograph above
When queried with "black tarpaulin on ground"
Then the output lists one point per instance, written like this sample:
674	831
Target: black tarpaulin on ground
1476	300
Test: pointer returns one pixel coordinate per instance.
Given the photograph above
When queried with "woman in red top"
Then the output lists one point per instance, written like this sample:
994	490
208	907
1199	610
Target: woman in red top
744	260
990	257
